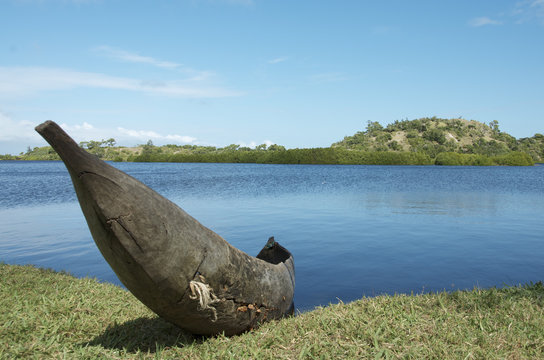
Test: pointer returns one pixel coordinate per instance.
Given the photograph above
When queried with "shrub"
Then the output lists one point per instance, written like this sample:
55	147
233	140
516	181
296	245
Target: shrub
452	159
515	158
436	135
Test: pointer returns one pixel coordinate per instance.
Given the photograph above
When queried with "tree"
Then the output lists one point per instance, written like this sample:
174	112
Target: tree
231	147
148	148
394	145
373	126
494	125
110	142
436	135
275	147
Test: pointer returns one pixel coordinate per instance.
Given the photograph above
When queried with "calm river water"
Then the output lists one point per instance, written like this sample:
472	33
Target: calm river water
353	230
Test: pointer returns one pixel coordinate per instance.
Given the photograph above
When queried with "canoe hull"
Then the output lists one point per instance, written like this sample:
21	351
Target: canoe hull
180	269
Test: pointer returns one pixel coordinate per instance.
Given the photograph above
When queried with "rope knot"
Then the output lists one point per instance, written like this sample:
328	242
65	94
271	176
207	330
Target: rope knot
204	293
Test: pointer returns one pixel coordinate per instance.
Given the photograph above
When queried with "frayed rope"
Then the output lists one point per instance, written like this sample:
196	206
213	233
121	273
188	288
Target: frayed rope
206	297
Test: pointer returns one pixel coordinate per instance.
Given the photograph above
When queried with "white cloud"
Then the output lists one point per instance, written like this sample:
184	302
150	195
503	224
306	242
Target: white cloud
127	56
144	135
21	81
132	57
15	135
13	130
123	136
524	11
521	12
529	10
86	132
253	144
482	21
278	60
85	127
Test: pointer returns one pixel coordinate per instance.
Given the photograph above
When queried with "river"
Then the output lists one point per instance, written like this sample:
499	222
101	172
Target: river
353	230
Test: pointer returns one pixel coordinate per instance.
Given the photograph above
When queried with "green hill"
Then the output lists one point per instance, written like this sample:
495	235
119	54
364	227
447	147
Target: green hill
433	136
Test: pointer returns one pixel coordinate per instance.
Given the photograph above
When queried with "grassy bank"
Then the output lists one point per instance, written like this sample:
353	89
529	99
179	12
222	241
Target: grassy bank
44	314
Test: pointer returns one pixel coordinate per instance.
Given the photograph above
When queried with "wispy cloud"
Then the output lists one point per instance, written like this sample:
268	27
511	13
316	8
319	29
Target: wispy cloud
123	136
529	10
17	131
16	135
278	60
132	57
483	21
253	144
143	135
21	81
524	11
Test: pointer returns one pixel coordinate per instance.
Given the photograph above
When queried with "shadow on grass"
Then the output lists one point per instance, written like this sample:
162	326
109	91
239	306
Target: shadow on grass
145	335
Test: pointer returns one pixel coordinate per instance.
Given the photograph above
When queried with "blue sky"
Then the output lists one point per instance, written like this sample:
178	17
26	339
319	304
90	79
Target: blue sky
295	73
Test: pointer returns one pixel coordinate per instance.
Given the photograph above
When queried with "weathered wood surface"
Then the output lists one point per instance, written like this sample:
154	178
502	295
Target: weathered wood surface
180	269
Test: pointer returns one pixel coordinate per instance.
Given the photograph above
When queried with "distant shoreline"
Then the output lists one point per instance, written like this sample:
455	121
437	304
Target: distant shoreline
424	141
313	156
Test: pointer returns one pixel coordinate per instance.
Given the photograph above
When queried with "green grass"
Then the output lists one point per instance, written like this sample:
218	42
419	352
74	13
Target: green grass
44	314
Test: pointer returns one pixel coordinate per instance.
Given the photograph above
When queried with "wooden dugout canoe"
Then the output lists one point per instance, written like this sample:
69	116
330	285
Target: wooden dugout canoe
180	269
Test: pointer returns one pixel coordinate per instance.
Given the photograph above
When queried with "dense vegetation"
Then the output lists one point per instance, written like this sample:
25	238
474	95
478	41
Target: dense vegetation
290	156
417	142
49	315
433	136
